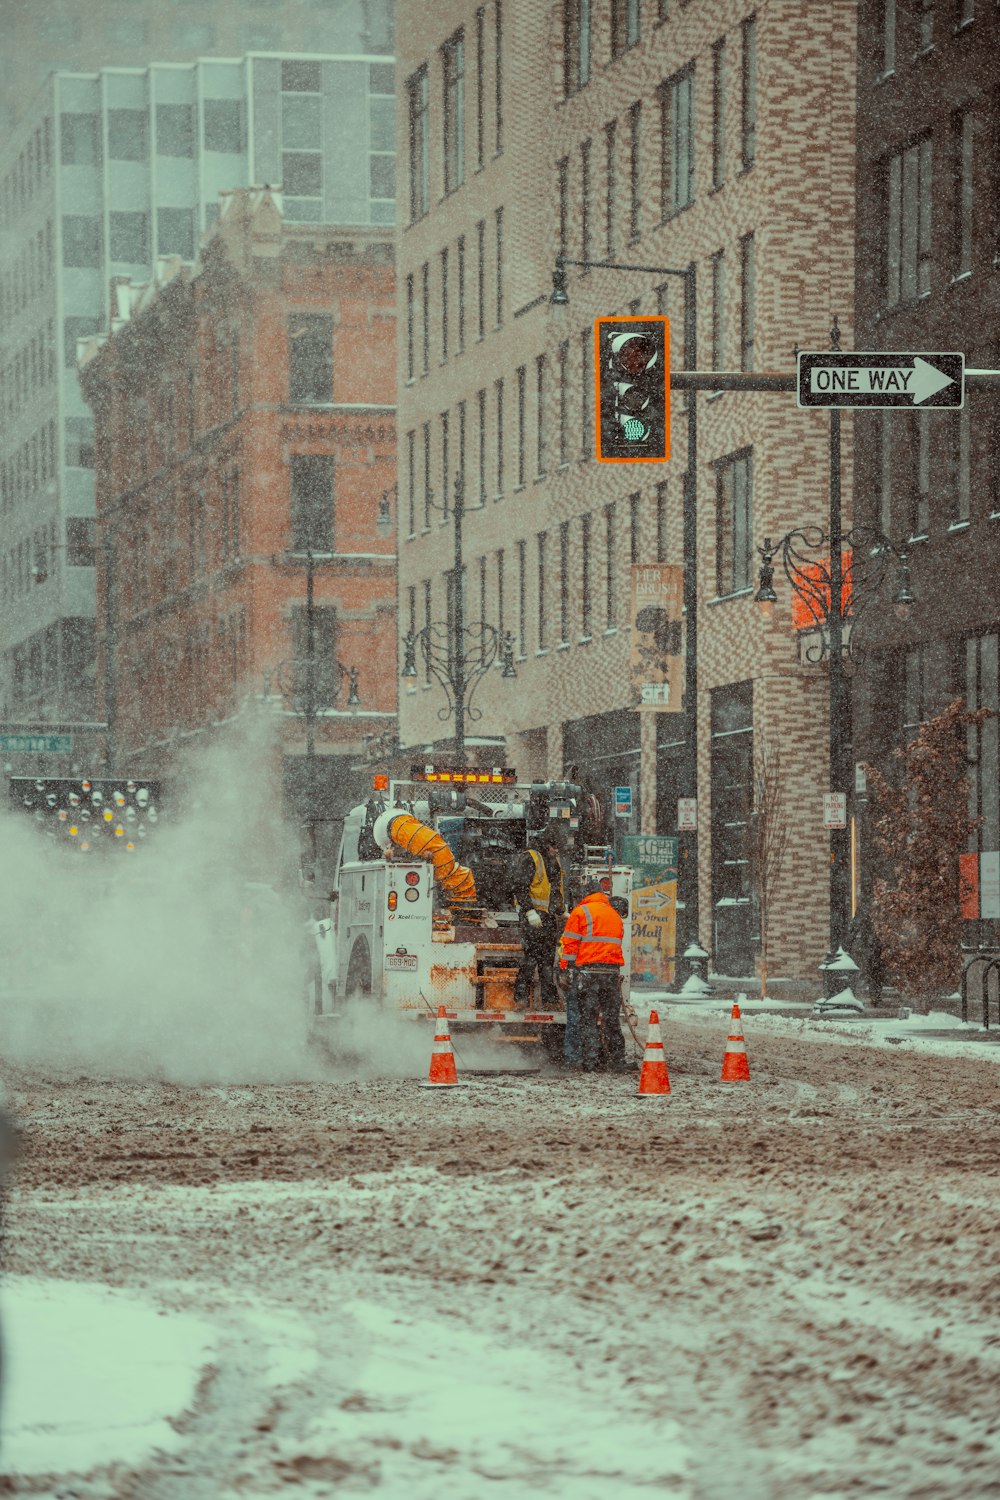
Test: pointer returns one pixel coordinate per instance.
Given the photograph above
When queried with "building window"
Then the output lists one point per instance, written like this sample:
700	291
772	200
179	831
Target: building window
586	603
428	492
982	668
444	305
624	26
498	70
748	299
634	169
888	38
81	236
885	436
425	315
634	502
312	502
129	235
481	462
445	465
522	599
734	523
498	223
461	443
920	518
302	174
564	582
521	383
81	541
128	131
926	22
540	454
73	329
543	622
501	600
427	628
586	377
563	403
79	442
962	478
609	564
480	85
79	140
175	232
965	11
498	387
418	104
460	272
310	359
718	310
719	113
481	278
224	125
749	102
411	484
576	45
585	203
323	676
677	143
963	147
453	66
610	132
175	130
409	328
908	223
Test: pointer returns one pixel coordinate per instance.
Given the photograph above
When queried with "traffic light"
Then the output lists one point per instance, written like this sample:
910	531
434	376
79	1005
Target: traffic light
632	380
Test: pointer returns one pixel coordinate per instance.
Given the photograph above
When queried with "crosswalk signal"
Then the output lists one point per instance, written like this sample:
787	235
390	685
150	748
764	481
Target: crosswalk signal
632	380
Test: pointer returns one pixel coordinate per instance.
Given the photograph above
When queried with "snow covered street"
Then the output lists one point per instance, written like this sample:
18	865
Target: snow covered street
537	1285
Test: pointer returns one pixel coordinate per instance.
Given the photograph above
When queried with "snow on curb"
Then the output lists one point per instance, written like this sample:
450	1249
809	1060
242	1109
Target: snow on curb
92	1376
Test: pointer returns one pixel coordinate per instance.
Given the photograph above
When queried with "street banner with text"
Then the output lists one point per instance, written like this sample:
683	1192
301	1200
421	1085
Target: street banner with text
653	858
657	652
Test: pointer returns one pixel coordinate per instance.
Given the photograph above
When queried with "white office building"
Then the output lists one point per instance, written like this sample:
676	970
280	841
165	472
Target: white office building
106	173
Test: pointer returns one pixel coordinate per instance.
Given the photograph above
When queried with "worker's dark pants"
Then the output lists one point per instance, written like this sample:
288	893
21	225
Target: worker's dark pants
539	945
599	998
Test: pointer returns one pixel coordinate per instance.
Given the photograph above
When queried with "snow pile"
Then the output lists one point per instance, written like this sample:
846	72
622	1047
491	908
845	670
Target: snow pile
91	1376
180	962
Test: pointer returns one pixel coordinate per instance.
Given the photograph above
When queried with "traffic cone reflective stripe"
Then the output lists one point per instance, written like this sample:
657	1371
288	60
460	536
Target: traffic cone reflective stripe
654	1078
735	1064
443	1073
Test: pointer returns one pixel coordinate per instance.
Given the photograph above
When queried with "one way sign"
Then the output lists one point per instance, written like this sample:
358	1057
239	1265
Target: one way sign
852	380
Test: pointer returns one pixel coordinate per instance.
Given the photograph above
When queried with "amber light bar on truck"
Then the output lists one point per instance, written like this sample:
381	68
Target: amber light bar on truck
499	774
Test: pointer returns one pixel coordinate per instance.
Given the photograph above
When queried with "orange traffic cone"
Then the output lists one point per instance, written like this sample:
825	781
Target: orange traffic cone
654	1078
442	1073
735	1066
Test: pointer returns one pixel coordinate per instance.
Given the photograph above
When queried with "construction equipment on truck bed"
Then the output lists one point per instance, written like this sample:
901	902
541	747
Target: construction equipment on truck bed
423	910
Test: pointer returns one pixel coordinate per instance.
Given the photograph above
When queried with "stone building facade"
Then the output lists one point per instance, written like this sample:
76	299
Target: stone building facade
656	135
244	424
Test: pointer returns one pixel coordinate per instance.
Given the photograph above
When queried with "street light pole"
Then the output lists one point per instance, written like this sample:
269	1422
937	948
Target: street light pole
839	700
459	624
310	704
688	841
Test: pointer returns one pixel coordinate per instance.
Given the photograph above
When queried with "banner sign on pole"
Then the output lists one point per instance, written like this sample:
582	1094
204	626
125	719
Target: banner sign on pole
623	801
653	858
656	664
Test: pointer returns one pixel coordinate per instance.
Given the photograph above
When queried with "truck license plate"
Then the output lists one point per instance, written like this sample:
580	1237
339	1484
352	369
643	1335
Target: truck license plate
401	961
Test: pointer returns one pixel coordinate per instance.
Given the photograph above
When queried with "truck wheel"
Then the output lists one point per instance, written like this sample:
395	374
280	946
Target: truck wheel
359	970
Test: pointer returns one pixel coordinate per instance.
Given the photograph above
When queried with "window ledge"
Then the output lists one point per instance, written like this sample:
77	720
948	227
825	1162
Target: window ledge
959	525
519	489
911	541
611	630
994	515
923	52
565	645
542	651
961	26
960	276
539	477
676	212
425	531
714	395
884	77
746	167
411	536
736	594
585	640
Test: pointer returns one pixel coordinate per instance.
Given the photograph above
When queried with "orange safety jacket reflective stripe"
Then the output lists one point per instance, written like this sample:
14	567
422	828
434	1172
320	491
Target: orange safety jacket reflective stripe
593	934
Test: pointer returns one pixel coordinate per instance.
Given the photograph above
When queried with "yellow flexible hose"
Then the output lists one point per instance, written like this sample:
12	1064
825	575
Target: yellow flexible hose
456	881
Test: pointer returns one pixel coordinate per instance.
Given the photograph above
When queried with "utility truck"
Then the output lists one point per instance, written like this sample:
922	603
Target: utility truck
423	908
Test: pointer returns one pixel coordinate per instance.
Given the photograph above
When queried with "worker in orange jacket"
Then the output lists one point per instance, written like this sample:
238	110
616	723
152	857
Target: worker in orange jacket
592	945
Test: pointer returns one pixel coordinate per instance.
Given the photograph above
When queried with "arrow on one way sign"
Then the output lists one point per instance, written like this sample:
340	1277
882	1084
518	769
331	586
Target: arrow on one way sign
880	379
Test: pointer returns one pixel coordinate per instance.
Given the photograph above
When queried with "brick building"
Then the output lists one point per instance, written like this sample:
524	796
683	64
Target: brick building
244	421
657	134
928	161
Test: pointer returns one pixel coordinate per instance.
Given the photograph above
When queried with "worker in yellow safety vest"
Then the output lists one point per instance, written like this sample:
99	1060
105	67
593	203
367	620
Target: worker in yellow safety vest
539	890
